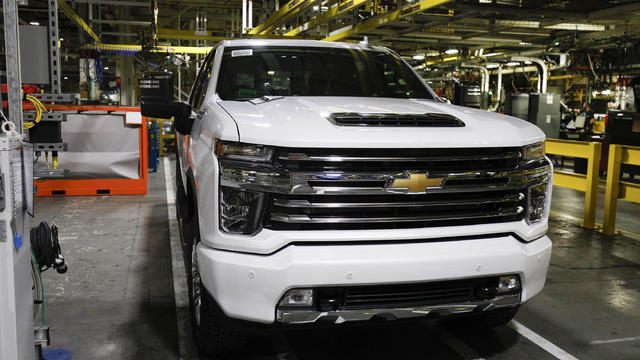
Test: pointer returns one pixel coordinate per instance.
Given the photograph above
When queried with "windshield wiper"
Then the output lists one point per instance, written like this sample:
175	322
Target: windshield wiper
259	100
264	99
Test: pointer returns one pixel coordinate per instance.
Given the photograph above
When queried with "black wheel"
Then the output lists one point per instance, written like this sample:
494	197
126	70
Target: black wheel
489	319
211	335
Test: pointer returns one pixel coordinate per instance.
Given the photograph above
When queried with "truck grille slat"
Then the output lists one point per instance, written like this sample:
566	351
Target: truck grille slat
357	189
288	203
306	219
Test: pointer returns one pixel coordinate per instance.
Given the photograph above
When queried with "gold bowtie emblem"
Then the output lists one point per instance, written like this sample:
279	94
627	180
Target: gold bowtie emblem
416	183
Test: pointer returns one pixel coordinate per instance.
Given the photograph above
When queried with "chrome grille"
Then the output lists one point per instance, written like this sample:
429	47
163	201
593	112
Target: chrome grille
397	160
396	120
342	212
339	189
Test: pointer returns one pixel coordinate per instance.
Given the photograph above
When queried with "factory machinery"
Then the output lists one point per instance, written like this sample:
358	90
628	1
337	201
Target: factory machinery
24	252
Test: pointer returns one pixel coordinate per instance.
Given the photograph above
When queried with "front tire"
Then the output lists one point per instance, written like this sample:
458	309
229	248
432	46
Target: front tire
211	335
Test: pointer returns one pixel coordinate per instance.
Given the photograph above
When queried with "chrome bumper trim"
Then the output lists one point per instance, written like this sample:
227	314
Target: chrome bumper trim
293	316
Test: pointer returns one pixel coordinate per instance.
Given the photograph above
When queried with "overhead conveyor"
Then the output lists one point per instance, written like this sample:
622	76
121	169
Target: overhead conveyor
337	10
281	16
380	20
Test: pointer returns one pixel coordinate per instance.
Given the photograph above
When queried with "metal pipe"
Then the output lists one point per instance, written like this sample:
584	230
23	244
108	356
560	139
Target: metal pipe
484	79
244	16
122	22
179	84
499	85
250	15
544	74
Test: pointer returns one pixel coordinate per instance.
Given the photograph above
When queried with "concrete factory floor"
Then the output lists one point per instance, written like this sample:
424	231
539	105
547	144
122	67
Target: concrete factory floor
117	300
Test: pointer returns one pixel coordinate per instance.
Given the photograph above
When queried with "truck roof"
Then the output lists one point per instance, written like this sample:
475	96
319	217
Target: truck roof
298	43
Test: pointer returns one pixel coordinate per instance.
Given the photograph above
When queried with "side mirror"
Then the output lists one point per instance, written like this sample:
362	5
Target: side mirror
156	93
183	125
165	109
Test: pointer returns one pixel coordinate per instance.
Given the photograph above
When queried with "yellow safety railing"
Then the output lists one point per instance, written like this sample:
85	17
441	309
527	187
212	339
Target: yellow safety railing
616	189
587	183
163	136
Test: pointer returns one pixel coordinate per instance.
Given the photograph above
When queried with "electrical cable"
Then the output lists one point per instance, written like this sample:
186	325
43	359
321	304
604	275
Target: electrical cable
591	66
39	109
46	247
38	301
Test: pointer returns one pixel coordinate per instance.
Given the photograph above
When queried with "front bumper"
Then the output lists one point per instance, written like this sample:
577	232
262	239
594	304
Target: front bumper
248	286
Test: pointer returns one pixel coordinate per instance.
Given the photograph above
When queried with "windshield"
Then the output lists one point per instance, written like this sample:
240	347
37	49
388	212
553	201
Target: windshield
287	71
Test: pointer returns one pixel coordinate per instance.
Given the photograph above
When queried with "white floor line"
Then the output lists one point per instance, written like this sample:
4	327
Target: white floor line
185	347
457	345
545	344
598	342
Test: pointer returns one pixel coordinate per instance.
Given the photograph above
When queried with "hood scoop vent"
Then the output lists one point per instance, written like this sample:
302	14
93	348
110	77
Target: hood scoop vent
395	120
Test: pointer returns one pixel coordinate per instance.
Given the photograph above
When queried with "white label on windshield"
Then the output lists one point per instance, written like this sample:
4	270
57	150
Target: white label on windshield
244	52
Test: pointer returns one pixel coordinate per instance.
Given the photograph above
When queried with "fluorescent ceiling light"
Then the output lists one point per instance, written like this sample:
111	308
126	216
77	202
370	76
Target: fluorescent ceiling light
513	63
524	43
418	57
528	62
577	27
491	66
106	68
451	51
492	54
518	23
316	8
34	23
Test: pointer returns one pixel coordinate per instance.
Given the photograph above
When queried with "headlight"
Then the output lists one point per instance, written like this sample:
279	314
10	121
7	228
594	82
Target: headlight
254	178
241	211
243	152
246	175
536	202
534	151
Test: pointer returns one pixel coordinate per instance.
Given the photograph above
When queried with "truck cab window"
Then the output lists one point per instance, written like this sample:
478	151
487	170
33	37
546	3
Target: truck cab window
202	83
289	71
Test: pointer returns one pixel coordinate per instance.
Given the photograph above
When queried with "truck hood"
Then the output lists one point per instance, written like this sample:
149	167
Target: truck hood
303	122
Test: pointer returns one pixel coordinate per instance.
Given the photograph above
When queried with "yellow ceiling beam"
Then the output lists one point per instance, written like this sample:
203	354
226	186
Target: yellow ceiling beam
337	10
286	12
380	20
67	10
119	48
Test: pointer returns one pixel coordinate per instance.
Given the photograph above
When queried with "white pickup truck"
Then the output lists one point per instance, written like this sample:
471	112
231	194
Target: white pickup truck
325	182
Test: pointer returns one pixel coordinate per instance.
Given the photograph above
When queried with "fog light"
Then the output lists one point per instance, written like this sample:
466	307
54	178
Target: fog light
297	297
510	283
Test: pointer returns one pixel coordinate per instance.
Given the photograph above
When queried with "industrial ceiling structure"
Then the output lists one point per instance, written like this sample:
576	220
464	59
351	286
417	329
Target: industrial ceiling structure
406	26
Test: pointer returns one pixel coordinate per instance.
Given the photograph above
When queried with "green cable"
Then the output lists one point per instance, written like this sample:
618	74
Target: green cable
33	256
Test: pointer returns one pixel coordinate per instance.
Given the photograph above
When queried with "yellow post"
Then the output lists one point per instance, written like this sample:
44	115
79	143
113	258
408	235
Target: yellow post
591	197
613	189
